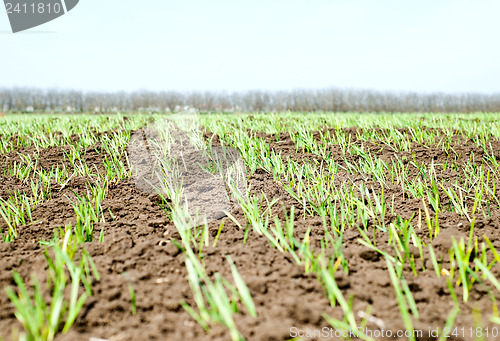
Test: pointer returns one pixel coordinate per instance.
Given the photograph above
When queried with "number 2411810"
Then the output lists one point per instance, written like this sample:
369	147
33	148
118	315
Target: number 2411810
473	332
33	8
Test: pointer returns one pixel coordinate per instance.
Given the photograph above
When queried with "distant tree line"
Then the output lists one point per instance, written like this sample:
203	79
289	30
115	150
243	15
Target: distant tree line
333	99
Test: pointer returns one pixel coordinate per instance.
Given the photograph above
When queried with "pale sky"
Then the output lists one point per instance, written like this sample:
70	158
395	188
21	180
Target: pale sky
234	45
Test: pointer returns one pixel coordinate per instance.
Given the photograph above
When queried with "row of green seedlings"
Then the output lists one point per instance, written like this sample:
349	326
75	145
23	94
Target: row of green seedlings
70	268
433	134
318	195
113	148
88	210
477	185
436	136
371	207
271	161
401	246
69	265
414	235
401	234
88	205
468	187
370	164
474	193
436	227
422	128
216	299
16	210
257	211
258	154
469	264
42	320
43	131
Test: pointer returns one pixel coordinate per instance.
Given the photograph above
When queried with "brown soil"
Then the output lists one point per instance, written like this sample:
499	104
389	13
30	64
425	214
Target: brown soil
139	241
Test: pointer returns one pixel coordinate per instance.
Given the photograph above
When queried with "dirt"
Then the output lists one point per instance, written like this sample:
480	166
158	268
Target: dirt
140	242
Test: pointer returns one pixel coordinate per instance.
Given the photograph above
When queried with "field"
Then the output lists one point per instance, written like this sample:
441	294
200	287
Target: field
382	225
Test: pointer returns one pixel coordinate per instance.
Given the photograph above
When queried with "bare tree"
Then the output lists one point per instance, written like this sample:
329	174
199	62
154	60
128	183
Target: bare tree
302	100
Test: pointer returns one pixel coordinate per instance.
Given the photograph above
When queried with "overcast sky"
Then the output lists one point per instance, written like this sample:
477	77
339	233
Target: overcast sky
424	45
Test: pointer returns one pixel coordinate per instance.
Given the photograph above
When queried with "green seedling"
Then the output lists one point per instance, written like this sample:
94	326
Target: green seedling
43	320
